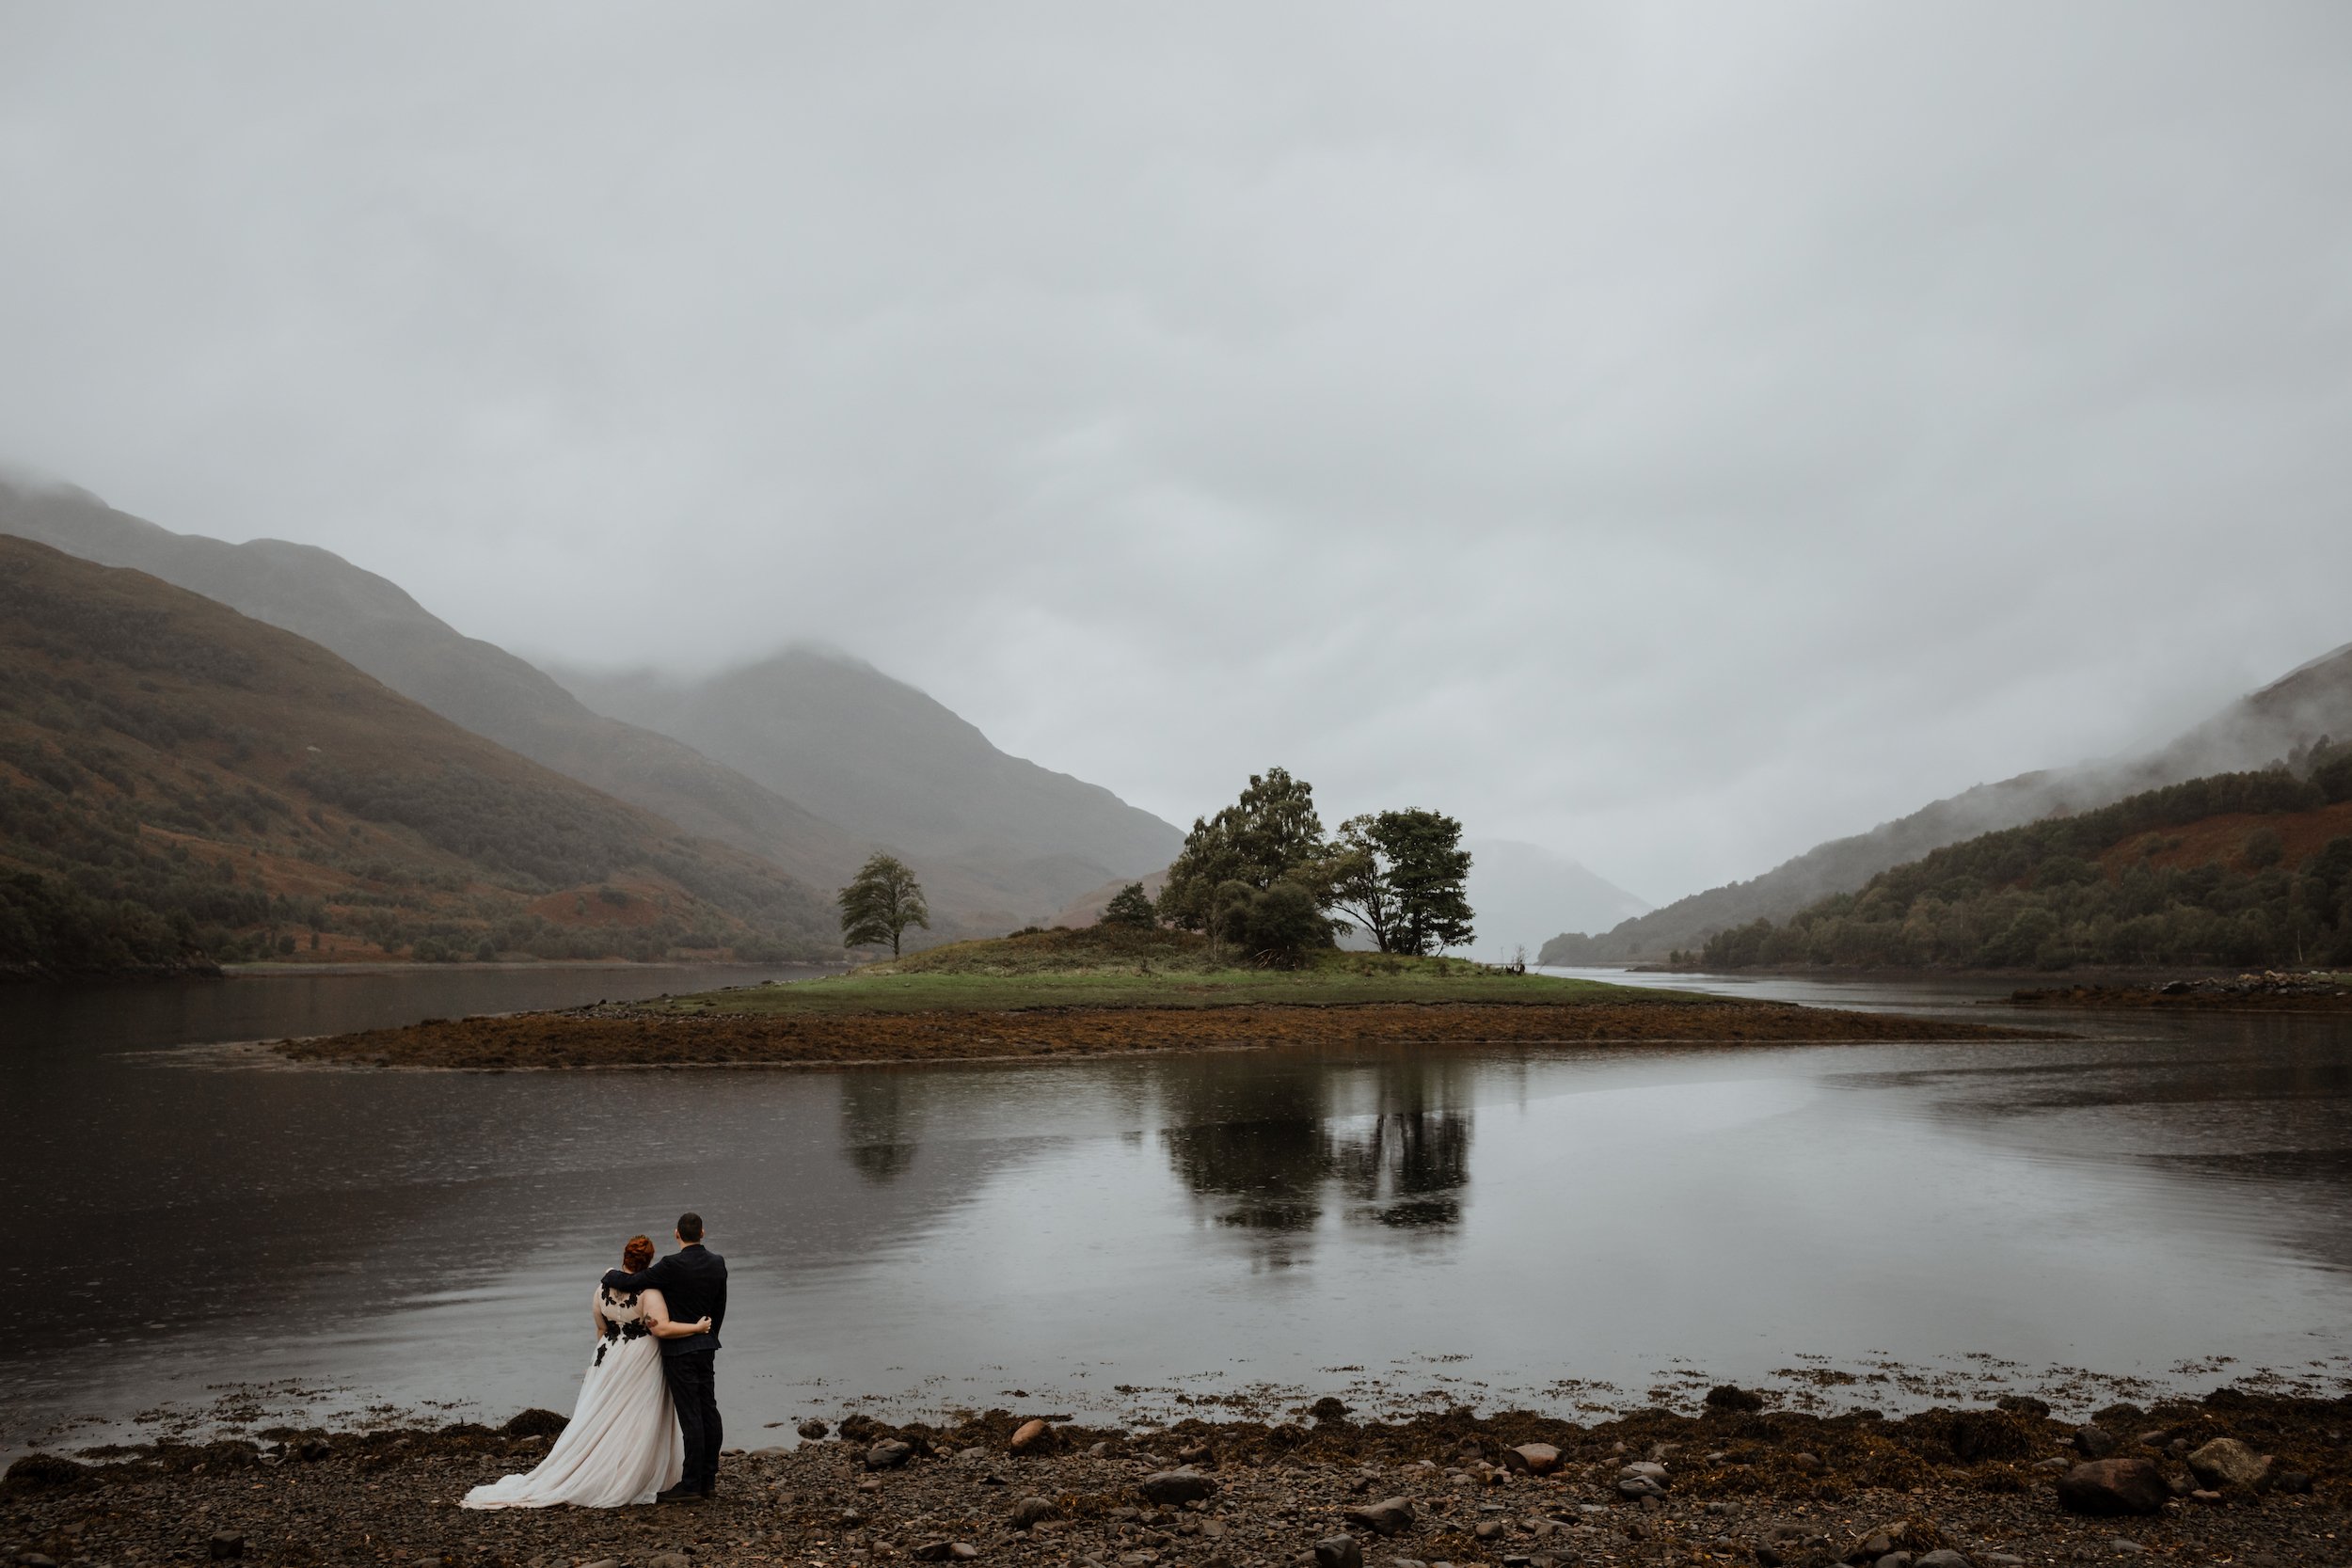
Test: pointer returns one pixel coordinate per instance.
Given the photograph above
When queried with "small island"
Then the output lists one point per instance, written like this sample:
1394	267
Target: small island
1104	991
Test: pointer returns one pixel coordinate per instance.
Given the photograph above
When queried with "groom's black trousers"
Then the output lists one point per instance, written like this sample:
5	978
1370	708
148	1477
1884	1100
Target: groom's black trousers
694	1392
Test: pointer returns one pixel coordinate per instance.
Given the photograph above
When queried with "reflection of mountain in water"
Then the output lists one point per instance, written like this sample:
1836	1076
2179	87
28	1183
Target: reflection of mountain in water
1267	1149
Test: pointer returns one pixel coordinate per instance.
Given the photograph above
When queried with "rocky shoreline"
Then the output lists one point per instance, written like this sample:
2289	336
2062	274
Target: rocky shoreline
2259	1480
621	1035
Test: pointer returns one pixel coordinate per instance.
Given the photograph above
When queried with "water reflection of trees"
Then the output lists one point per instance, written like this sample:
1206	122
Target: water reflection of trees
881	1122
1269	1146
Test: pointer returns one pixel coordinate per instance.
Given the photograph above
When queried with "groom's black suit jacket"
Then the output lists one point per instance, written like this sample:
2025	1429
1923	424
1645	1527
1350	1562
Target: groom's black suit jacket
694	1280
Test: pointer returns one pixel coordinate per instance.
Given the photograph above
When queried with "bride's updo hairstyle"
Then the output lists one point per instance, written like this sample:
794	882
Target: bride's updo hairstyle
639	1253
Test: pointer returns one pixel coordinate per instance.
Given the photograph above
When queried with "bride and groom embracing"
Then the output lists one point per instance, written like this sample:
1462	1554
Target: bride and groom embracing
646	1427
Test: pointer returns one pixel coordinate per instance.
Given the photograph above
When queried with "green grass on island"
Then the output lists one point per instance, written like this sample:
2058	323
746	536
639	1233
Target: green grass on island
1124	967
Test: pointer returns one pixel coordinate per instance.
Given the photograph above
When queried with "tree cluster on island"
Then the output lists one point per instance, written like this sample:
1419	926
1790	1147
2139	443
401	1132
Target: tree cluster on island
1261	876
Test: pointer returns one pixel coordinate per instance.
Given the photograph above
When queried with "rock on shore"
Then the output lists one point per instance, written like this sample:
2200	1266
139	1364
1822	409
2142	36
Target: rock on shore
1946	1489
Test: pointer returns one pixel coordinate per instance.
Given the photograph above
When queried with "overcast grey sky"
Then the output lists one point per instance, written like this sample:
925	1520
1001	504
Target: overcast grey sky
1672	434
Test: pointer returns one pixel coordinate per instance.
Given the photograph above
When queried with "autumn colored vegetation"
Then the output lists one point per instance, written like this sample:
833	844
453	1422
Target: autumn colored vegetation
181	786
2235	869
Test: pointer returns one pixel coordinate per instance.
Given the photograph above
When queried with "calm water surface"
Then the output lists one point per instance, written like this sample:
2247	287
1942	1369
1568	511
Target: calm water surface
1556	1226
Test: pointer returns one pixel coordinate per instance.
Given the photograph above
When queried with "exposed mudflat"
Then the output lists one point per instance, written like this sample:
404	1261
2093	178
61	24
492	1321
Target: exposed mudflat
1733	1486
619	1036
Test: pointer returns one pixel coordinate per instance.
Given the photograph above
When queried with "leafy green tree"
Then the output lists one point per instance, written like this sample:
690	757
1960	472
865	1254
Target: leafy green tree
1270	833
1275	925
1130	906
880	903
1361	890
1400	875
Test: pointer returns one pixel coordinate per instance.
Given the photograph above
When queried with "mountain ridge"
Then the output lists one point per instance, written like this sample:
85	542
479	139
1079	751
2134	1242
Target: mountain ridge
926	780
2309	704
180	780
381	629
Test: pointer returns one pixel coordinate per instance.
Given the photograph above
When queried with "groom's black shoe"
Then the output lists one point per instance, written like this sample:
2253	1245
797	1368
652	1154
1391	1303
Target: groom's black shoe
682	1493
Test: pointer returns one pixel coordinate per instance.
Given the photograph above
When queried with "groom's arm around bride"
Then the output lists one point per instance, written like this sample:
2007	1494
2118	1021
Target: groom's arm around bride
694	1280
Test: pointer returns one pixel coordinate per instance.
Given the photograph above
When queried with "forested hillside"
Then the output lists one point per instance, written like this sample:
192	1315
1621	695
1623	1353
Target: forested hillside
2292	712
376	625
818	759
181	784
2239	868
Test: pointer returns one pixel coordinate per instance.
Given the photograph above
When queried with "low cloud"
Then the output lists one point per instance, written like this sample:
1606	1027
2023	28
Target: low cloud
1671	440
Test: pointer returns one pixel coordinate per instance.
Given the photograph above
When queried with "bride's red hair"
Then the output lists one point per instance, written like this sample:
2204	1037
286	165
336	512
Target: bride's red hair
637	1254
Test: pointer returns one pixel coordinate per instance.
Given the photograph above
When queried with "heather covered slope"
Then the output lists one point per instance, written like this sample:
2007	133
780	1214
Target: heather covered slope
373	622
181	783
886	761
897	761
2284	718
2238	869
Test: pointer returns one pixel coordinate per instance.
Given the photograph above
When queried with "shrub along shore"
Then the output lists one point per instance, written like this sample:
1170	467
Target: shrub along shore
2257	1480
1089	993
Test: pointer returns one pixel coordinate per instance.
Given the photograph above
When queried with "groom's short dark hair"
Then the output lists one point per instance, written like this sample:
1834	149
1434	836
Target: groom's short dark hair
690	1227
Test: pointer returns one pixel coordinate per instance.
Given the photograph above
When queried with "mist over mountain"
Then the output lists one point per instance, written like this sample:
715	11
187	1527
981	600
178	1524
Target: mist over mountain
1520	893
374	624
998	842
182	783
886	761
2310	703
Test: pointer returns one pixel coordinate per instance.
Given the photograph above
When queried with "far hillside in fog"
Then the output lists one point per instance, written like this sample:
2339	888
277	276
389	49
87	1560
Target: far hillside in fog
890	763
182	785
2307	705
1522	893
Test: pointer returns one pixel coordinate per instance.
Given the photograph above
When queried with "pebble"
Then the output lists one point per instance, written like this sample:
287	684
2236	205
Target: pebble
1536	1459
1339	1551
2093	1441
1390	1516
2226	1464
1176	1486
2113	1486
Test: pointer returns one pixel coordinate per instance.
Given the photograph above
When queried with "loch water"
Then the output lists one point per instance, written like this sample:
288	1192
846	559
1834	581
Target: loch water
2162	1202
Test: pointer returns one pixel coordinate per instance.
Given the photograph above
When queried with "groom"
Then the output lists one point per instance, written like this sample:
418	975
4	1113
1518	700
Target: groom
694	1280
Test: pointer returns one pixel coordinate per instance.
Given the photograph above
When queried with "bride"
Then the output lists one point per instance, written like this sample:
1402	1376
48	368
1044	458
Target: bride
623	1444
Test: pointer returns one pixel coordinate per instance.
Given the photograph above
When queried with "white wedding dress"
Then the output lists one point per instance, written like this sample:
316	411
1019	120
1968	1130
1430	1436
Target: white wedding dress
623	1444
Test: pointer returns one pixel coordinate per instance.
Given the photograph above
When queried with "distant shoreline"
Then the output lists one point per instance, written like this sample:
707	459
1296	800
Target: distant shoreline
273	968
280	969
